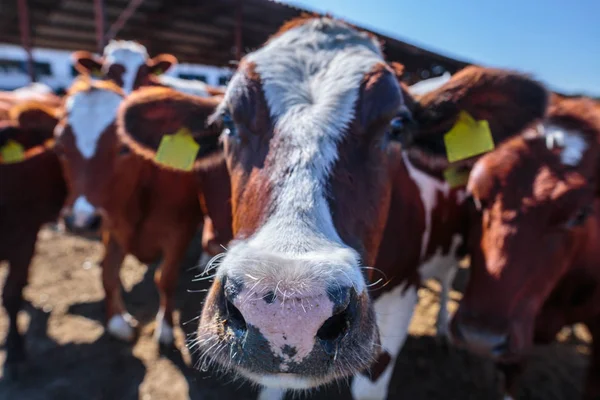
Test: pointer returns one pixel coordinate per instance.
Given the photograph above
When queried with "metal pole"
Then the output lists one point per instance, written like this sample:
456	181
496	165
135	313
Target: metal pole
238	30
132	6
100	22
25	29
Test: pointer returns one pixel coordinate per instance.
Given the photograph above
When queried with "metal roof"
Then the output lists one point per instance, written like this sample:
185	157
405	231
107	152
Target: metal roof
196	31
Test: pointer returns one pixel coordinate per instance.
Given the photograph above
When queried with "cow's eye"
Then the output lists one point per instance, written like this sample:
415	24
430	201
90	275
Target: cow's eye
580	217
230	129
399	126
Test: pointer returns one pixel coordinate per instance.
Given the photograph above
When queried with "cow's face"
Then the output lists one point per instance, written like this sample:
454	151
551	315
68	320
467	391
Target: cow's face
87	143
306	122
532	202
125	63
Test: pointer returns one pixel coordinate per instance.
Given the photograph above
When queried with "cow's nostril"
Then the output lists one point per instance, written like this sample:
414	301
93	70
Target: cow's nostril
95	223
234	318
335	327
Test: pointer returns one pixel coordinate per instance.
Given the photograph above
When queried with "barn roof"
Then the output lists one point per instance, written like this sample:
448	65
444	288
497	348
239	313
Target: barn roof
196	31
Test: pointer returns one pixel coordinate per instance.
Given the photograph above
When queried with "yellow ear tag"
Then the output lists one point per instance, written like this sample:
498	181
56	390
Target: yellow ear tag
178	150
97	73
158	72
456	176
12	152
468	138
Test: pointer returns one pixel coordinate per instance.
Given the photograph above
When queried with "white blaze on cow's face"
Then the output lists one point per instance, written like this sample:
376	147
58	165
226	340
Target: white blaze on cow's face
301	139
127	57
86	154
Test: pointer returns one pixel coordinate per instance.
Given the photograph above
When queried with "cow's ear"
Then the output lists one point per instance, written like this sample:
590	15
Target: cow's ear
508	100
86	63
161	63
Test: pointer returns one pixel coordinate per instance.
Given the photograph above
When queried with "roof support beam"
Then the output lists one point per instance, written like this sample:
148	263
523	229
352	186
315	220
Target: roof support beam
25	28
100	17
132	6
238	29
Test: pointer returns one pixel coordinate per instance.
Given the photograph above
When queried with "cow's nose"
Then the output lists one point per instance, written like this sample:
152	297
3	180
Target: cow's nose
482	341
77	224
282	330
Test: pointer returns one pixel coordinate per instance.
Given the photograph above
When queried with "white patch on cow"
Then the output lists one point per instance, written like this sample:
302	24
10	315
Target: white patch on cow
429	187
281	381
82	211
194	87
269	393
33	91
429	85
89	114
572	143
393	311
311	77
119	327
443	268
130	55
163	332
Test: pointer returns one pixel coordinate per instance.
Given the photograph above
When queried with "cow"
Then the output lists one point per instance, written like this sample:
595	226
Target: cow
425	233
313	168
141	208
306	139
33	92
32	193
534	234
127	64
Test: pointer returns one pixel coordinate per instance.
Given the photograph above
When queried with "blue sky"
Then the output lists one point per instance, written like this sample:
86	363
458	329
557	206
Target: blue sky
558	41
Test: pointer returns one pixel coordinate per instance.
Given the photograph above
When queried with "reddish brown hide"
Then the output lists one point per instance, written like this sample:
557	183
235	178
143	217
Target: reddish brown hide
425	232
32	193
10	99
147	210
535	229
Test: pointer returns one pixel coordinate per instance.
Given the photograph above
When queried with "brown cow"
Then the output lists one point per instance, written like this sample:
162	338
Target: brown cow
426	227
32	193
127	64
308	149
145	210
306	139
535	257
34	92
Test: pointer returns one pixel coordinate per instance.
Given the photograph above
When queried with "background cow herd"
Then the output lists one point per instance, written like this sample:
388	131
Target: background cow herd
327	193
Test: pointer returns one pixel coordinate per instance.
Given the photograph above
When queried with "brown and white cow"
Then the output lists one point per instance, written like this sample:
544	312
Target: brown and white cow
312	170
127	64
426	231
306	144
535	253
32	193
144	210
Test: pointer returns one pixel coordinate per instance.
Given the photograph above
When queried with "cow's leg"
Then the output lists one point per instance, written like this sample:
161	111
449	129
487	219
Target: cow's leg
512	372
12	299
394	311
267	393
166	278
443	317
120	324
592	384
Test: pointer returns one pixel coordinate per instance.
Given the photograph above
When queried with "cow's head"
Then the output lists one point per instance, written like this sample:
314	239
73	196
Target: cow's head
87	143
150	114
30	124
533	202
307	121
125	63
507	100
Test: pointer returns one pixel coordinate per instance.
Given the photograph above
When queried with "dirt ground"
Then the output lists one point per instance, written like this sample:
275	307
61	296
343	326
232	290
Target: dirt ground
70	356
